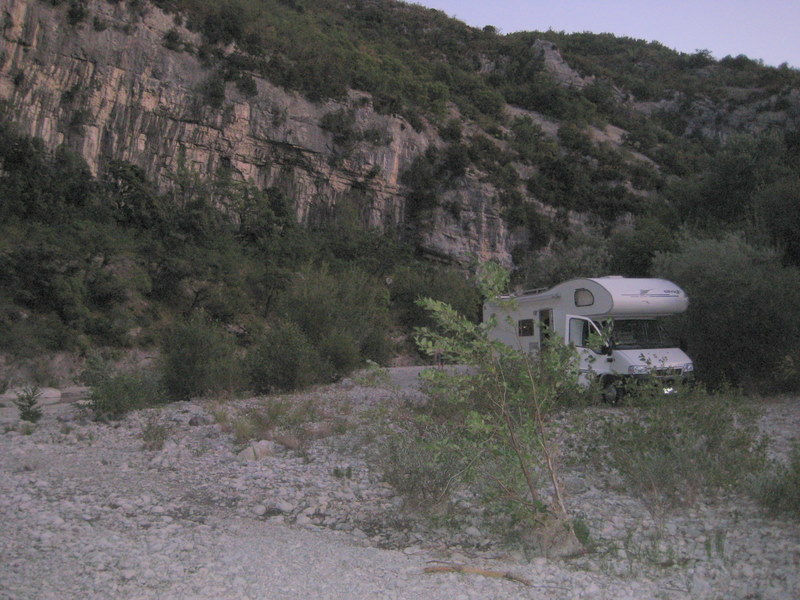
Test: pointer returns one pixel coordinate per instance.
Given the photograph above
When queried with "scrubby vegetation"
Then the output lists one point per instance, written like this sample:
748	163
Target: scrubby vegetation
779	488
214	276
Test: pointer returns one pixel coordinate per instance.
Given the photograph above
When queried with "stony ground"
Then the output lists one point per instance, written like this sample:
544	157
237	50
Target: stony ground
172	503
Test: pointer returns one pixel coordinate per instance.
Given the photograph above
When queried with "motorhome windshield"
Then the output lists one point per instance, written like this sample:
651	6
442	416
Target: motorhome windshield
640	334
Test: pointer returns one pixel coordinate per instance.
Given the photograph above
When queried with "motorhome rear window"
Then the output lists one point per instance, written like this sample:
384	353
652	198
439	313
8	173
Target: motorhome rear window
583	297
525	327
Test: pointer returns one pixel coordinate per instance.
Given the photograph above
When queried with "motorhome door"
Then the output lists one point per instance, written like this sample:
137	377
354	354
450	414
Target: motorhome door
580	331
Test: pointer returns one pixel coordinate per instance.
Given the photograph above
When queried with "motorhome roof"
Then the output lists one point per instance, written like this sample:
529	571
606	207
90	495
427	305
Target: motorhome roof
613	296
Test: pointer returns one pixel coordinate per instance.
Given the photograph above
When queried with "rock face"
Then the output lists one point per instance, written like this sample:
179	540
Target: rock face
558	68
108	88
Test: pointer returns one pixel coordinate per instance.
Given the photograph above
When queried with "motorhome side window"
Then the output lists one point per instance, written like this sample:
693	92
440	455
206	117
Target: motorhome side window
525	327
583	297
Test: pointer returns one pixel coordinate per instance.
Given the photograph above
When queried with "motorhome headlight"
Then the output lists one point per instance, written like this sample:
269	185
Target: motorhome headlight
688	368
638	370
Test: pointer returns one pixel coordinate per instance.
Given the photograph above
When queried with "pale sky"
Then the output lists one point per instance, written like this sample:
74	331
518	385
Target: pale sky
760	29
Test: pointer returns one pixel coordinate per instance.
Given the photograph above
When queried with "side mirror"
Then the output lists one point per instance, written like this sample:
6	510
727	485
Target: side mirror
606	349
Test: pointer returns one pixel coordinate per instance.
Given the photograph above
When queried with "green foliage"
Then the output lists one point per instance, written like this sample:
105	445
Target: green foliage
27	402
77	273
409	284
225	25
726	193
424	467
247	86
779	489
672	450
531	142
284	359
154	433
341	123
198	357
430	174
35	184
76	12
584	255
213	91
495	414
744	313
632	250
344	315
113	394
173	40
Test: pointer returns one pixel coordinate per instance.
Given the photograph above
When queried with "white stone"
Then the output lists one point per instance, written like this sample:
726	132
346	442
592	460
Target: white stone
257	451
473	531
284	507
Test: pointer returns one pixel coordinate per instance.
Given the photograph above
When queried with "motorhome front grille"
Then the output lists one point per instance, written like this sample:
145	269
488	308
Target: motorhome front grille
672	372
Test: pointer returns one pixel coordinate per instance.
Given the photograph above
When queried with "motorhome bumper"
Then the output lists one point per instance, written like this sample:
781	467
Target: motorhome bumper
670	383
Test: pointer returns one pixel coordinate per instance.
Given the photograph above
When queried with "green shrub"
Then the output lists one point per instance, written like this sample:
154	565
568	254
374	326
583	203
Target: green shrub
451	286
495	414
284	359
114	394
173	41
423	466
672	450
247	85
76	12
27	402
348	309
341	350
213	91
779	491
342	124
744	311
581	255
197	358
154	433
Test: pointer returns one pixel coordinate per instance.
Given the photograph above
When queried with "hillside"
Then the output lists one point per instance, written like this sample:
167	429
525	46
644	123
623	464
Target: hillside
515	126
195	137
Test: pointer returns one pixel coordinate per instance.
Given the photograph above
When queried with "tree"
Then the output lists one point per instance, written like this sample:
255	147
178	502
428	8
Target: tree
743	319
497	413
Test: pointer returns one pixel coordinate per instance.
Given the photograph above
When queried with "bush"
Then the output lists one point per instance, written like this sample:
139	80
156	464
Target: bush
440	283
247	85
76	12
423	466
172	40
495	415
581	255
779	491
213	91
197	358
154	434
671	450
27	402
744	311
114	394
284	359
343	315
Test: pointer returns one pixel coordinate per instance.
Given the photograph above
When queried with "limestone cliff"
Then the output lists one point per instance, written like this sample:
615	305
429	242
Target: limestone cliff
108	88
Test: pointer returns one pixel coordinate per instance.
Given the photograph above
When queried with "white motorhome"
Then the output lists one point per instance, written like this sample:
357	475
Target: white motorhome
624	314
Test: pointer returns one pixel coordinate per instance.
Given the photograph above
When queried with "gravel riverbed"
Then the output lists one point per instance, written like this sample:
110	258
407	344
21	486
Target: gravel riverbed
88	511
